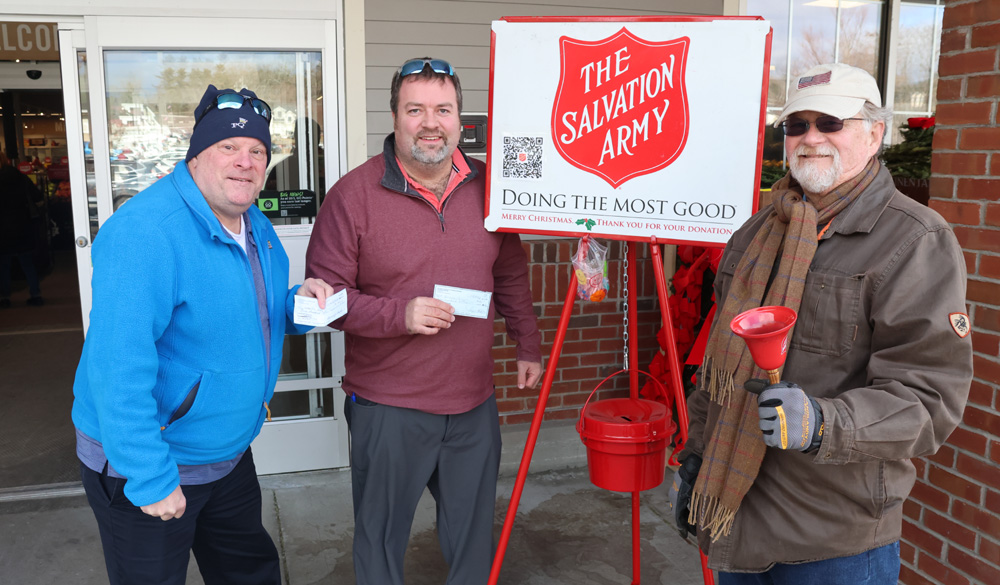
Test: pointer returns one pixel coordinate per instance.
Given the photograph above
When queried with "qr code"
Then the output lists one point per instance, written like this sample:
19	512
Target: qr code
522	157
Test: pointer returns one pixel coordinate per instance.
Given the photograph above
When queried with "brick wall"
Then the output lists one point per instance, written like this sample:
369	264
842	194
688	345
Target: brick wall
952	522
594	341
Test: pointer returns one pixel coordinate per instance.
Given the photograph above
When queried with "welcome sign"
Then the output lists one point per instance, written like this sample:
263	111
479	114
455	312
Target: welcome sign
626	128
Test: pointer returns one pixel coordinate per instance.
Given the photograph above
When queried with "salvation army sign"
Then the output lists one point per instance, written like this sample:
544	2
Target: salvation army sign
620	109
626	128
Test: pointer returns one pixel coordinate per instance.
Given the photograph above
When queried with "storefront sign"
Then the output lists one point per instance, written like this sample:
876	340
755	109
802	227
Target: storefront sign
37	41
282	204
626	129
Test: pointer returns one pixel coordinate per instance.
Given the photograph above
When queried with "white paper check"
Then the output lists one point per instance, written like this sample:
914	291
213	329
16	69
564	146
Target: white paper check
307	311
467	302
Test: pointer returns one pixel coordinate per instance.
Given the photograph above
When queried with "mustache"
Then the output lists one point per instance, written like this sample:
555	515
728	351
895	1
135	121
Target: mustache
824	150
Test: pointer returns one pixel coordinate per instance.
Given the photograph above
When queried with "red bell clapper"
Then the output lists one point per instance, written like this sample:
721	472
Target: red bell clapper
767	332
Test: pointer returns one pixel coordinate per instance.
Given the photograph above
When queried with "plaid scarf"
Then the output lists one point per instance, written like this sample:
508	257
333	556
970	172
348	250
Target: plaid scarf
733	456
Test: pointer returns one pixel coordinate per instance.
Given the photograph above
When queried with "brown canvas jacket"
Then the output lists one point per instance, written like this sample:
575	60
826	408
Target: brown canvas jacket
874	344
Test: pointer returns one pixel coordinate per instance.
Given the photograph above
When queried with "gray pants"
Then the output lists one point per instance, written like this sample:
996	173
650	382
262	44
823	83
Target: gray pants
395	453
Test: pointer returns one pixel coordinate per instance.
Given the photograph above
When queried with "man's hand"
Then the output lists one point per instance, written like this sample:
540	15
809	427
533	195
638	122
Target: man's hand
789	418
680	492
528	374
172	506
427	316
317	289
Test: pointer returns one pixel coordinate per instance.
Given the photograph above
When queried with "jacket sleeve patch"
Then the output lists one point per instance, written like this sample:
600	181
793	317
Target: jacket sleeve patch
960	323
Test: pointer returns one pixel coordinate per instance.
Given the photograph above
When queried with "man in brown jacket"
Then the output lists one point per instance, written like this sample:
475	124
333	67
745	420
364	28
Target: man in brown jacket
804	481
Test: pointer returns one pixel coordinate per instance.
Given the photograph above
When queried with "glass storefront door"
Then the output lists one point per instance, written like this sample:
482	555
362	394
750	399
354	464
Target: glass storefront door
135	83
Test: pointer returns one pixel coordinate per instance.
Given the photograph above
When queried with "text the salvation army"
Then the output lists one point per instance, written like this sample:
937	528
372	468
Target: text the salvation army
627	93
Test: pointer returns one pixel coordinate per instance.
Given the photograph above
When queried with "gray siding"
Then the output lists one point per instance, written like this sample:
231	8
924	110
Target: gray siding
459	31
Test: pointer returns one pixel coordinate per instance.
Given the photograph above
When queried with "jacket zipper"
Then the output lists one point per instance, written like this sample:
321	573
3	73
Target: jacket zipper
420	197
184	407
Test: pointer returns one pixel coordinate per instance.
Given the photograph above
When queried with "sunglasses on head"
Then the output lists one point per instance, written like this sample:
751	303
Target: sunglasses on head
417	65
825	124
235	101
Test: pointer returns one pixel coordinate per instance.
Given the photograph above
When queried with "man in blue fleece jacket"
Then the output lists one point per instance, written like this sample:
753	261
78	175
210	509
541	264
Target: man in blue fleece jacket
190	308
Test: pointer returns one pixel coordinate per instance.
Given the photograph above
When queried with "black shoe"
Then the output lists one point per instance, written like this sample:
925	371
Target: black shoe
36	301
4	303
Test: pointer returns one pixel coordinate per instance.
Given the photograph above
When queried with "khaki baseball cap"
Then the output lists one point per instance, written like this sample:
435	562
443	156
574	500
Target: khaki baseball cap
834	89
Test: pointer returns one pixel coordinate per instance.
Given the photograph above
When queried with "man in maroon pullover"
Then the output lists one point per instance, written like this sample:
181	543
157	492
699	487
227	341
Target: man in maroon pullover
422	410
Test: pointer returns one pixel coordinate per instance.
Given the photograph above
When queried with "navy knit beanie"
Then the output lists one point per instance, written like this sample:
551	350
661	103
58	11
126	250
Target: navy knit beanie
214	124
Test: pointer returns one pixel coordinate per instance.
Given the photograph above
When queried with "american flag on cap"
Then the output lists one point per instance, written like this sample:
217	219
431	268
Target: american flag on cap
810	81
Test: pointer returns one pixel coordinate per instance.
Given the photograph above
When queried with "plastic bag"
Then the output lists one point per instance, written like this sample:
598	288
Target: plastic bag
591	264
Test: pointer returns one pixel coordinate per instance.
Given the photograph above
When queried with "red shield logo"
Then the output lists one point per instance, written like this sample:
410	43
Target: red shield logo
621	109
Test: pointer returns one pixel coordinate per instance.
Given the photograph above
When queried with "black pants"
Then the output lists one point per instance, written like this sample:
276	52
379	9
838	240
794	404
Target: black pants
395	454
222	525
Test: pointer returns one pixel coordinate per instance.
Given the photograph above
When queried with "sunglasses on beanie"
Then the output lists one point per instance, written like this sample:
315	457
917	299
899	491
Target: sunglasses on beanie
235	101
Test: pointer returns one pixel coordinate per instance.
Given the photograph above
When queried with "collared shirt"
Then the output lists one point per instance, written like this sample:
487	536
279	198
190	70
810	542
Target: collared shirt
459	171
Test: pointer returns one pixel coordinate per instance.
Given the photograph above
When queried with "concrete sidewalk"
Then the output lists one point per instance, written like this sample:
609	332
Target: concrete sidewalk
567	530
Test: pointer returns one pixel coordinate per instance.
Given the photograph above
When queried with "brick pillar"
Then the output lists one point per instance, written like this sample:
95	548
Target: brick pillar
594	339
951	530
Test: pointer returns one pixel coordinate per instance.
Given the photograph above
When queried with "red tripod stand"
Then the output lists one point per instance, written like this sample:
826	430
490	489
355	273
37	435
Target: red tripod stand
680	402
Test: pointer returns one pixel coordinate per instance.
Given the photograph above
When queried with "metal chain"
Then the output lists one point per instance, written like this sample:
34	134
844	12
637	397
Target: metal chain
625	304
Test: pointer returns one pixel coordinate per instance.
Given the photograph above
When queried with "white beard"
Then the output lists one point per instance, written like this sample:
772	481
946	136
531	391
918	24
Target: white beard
812	178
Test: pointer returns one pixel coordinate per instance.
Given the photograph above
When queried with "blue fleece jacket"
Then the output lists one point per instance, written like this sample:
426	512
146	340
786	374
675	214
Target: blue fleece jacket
175	313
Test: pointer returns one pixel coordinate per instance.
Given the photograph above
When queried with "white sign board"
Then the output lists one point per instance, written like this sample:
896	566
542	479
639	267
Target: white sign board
626	129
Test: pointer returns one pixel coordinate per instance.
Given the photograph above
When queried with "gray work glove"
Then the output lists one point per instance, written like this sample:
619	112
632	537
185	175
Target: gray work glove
680	493
789	418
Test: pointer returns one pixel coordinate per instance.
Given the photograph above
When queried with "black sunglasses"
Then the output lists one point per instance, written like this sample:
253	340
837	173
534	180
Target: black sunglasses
417	65
825	124
235	101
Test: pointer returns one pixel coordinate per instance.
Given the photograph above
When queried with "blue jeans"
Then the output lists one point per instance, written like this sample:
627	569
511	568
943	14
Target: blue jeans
878	566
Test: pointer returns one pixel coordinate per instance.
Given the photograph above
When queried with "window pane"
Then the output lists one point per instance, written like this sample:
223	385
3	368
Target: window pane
915	57
301	404
814	33
776	12
860	27
306	356
151	100
306	378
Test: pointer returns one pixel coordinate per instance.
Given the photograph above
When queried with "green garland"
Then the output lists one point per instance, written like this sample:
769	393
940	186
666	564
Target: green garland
770	172
911	157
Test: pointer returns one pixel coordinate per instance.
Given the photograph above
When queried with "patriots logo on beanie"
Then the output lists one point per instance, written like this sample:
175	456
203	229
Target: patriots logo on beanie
213	124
